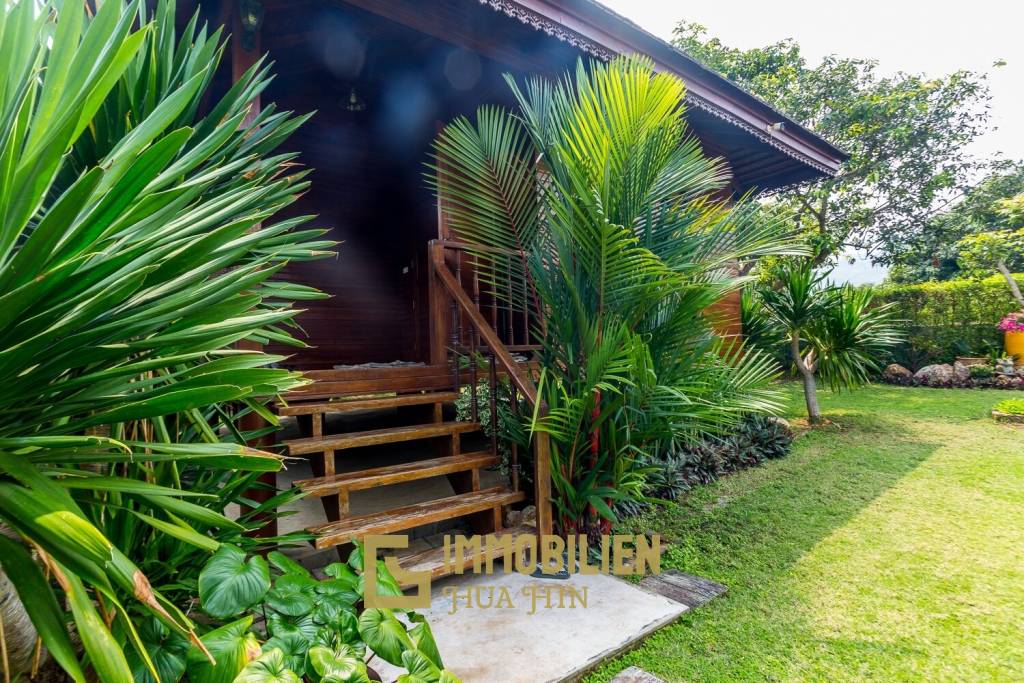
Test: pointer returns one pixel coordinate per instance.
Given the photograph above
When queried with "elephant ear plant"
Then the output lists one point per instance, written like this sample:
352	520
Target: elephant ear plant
309	629
137	248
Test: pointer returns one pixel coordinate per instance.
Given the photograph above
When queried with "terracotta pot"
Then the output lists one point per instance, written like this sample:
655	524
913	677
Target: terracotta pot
1014	344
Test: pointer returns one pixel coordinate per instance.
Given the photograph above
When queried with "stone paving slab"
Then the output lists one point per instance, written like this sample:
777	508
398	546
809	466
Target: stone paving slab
536	634
635	674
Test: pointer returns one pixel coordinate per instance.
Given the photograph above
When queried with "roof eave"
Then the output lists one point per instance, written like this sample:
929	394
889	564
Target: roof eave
602	33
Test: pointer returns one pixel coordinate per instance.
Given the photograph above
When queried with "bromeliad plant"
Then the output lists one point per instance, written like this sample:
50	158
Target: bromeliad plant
598	203
137	247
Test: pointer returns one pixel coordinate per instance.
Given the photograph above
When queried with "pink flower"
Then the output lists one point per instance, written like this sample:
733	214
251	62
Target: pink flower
1013	322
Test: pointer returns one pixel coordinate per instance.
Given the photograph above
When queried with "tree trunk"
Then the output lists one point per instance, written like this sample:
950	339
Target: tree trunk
810	386
18	631
1014	289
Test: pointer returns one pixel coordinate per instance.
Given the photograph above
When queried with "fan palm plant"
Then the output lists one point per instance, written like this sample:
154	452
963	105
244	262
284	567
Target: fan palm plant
833	332
137	246
595	194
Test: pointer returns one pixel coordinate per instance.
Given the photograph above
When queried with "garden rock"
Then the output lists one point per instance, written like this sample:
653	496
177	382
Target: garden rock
529	517
895	370
961	371
785	423
936	374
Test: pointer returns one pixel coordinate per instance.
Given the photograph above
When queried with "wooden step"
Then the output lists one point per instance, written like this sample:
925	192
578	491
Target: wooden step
411	516
376	403
374	437
393	474
433	561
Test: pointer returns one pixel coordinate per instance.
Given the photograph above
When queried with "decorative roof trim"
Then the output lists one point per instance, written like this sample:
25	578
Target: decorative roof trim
553	28
781	189
761	135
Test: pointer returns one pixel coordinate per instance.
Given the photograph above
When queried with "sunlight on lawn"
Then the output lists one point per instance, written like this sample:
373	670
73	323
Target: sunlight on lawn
885	547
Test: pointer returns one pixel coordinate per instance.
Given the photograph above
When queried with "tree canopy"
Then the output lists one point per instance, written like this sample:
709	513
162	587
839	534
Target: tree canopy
906	134
933	252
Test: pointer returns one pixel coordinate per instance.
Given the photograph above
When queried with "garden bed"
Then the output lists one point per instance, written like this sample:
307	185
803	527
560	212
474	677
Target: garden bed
1004	383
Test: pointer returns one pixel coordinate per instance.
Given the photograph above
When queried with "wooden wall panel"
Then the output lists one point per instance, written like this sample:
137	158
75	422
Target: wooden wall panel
368	182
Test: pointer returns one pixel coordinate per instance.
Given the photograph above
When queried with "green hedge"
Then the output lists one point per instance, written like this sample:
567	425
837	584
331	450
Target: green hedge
943	320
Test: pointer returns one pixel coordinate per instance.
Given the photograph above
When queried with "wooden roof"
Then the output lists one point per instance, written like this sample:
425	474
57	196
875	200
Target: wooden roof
765	148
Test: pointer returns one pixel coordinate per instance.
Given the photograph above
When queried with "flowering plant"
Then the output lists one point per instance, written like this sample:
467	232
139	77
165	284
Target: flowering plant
1013	322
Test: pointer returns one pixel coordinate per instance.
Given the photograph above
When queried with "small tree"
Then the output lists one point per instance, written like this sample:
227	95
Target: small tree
833	332
984	252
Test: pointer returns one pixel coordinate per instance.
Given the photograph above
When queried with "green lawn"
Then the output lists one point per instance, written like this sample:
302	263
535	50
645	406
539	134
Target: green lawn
888	546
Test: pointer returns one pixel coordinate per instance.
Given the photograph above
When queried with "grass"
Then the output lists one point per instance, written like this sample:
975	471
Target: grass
887	546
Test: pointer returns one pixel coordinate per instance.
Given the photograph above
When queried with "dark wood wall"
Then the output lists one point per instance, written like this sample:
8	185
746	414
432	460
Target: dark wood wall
369	156
420	66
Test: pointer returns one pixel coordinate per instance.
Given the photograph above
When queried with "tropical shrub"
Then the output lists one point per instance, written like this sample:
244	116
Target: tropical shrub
137	247
598	201
981	371
770	437
510	428
1011	406
311	629
942	320
756	439
834	333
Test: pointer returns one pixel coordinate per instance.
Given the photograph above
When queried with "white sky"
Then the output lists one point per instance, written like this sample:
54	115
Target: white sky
933	37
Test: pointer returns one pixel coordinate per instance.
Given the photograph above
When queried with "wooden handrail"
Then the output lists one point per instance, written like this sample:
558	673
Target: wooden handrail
523	384
467	246
490	337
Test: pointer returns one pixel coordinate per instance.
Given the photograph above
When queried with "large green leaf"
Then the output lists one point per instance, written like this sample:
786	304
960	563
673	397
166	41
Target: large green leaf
303	626
293	647
420	668
229	583
343	573
335	604
166	649
292	595
232	647
287	565
104	651
423	638
385	635
337	665
271	667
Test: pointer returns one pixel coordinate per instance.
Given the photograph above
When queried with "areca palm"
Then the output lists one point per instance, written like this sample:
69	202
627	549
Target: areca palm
595	184
137	246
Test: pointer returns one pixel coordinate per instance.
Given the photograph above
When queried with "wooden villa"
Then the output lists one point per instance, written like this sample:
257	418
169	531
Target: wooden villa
383	75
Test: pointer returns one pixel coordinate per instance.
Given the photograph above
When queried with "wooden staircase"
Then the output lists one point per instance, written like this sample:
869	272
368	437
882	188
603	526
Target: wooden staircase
438	443
462	340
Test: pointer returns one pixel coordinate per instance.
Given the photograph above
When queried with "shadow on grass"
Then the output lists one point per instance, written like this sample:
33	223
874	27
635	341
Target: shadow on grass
748	530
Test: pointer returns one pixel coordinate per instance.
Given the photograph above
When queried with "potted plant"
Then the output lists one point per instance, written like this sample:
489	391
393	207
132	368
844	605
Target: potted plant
1013	340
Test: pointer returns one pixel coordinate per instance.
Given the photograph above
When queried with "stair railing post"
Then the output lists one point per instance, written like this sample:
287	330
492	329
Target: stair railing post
542	483
493	403
436	306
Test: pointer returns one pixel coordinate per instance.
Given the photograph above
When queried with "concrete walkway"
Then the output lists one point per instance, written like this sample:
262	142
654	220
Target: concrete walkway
518	629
